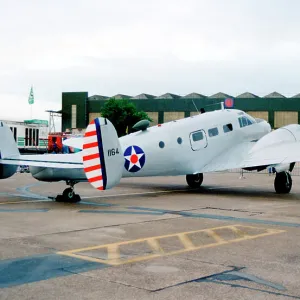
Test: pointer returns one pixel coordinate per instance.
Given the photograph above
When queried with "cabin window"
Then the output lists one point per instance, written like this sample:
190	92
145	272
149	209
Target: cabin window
161	144
198	140
197	136
213	132
179	140
227	127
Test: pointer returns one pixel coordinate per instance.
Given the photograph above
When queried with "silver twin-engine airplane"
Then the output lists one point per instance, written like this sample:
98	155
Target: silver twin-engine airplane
214	141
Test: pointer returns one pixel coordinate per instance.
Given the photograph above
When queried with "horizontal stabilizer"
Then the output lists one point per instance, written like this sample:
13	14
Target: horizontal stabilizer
62	161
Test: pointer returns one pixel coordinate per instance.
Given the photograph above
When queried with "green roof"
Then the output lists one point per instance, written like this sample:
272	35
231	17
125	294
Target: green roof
168	96
274	95
247	95
195	95
35	121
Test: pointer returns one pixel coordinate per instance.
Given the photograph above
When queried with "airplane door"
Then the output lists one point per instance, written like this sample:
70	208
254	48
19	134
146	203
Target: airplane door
198	140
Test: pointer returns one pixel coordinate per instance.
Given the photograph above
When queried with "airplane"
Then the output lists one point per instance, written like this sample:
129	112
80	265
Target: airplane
212	141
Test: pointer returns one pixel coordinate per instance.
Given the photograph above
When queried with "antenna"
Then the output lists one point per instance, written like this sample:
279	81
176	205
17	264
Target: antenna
195	107
222	105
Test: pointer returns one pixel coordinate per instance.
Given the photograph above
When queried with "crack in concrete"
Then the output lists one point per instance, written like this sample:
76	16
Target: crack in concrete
233	275
92	228
232	209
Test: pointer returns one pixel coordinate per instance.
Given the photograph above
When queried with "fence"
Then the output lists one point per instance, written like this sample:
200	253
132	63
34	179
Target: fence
295	172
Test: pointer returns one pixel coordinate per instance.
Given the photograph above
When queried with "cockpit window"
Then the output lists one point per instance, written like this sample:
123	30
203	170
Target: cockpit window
246	121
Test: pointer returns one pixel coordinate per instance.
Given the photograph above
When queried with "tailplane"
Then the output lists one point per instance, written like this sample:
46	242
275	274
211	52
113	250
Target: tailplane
8	149
102	155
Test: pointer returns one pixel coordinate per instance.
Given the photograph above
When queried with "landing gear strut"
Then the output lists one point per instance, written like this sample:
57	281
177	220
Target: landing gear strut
194	180
283	183
68	194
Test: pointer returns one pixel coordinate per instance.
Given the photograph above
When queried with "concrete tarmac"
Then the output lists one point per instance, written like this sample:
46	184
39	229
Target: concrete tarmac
151	238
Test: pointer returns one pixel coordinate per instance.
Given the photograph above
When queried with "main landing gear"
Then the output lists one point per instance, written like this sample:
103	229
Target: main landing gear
68	194
194	180
283	183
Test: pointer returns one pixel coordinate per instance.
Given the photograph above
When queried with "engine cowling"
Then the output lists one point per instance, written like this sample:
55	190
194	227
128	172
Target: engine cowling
7	171
286	134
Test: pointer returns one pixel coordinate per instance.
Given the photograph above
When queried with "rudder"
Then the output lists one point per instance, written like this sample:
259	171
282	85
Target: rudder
102	155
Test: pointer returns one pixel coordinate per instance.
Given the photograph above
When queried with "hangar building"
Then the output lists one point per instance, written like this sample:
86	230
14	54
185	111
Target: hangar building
78	108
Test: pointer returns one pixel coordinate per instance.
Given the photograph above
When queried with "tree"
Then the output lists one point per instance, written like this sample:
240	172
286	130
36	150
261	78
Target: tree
123	114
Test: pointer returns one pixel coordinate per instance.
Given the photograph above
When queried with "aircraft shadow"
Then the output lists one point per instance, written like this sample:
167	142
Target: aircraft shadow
227	191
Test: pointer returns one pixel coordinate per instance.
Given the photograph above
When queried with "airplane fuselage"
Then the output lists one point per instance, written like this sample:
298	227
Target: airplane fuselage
179	147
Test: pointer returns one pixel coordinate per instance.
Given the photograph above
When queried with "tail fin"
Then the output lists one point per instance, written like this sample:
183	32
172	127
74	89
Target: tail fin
8	149
102	155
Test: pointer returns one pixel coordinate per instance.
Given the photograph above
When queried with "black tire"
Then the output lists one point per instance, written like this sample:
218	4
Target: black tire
65	197
283	183
194	180
70	196
76	198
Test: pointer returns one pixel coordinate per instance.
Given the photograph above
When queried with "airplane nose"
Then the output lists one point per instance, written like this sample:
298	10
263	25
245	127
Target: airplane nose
268	127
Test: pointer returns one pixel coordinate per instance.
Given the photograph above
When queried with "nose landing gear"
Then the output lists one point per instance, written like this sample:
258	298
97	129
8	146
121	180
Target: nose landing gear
68	194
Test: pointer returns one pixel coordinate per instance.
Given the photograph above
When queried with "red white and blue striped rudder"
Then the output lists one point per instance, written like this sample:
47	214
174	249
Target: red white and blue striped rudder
102	159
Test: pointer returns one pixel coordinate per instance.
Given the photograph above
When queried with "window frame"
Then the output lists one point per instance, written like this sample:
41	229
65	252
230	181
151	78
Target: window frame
200	144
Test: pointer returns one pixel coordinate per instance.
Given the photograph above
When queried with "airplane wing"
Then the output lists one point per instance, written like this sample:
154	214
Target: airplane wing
231	158
279	154
63	161
280	147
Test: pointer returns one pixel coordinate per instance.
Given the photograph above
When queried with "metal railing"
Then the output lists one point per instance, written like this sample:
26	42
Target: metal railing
295	172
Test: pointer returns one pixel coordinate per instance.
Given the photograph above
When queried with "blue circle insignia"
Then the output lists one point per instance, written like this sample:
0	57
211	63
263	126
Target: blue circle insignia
135	158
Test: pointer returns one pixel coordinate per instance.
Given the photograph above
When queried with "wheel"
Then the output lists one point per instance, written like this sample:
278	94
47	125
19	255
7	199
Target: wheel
194	180
283	183
69	196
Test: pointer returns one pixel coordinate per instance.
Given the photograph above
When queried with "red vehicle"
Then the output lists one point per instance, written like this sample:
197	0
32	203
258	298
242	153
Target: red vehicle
55	142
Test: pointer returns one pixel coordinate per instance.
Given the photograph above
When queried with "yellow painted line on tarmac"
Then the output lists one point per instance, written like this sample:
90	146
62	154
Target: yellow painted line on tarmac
154	244
238	232
214	235
114	252
186	241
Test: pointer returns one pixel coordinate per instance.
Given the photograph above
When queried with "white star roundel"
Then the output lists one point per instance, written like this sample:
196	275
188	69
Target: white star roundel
135	158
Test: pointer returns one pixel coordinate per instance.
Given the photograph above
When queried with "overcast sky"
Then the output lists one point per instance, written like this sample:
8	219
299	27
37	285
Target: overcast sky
108	47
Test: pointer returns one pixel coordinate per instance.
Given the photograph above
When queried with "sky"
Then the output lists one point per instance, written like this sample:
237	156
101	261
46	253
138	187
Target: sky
130	47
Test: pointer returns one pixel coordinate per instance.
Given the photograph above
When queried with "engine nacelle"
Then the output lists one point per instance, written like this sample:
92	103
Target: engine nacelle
286	134
7	171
